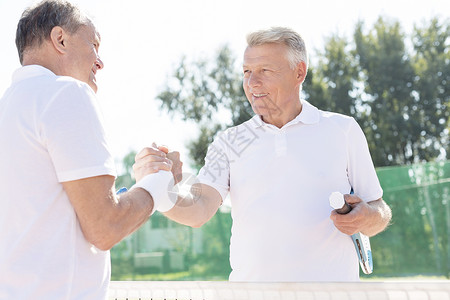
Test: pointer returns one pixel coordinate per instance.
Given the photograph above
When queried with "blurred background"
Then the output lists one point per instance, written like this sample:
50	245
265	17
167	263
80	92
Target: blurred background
173	75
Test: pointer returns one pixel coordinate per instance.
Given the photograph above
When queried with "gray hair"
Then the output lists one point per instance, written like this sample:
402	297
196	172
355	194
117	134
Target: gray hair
37	22
282	35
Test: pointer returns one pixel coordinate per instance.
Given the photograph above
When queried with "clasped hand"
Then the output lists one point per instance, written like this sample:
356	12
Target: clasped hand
152	159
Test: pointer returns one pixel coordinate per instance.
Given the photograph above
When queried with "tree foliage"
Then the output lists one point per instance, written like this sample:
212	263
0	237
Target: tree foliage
398	93
333	78
125	179
431	63
209	93
396	87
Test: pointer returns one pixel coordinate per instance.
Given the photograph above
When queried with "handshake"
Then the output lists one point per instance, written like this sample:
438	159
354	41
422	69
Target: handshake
159	172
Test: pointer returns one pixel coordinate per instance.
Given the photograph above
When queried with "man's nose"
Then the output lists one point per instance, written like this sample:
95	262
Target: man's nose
253	80
99	63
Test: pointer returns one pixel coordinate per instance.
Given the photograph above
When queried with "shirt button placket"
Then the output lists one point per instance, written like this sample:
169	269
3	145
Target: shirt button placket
280	143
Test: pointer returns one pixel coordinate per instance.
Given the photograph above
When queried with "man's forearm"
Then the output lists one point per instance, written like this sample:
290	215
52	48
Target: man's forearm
197	207
131	210
105	218
379	218
140	205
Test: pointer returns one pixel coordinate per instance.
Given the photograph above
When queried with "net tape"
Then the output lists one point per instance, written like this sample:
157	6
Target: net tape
203	290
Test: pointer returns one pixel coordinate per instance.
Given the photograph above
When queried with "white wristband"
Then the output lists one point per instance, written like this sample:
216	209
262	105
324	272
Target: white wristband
160	187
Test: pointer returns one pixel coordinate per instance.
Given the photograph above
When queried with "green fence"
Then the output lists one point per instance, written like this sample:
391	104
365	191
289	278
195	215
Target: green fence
416	243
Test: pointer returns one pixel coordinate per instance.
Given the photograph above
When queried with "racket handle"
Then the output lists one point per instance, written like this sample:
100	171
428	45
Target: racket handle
338	202
360	241
344	209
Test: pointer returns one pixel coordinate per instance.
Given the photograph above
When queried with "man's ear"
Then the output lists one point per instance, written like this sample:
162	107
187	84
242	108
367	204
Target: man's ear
301	71
57	37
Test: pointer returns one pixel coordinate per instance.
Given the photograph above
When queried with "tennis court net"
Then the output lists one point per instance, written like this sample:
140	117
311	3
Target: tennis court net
203	290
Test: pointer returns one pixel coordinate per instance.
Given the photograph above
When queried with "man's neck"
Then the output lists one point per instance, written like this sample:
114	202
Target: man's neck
43	58
283	118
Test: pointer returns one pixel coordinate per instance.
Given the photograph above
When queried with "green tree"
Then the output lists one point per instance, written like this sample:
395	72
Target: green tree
431	63
388	80
126	179
209	93
331	85
399	95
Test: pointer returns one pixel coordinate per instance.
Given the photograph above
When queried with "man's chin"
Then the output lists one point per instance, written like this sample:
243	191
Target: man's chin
261	111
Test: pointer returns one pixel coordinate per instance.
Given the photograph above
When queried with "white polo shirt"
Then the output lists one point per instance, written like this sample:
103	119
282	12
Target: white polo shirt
279	181
51	131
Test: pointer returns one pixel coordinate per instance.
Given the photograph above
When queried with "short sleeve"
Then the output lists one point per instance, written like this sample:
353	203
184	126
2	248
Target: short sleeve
361	171
216	171
73	133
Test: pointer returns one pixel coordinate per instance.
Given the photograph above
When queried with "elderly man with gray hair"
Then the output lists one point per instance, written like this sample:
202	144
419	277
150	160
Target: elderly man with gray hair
59	211
279	169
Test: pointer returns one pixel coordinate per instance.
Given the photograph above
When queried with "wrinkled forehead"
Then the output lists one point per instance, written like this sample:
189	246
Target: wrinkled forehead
90	31
98	36
93	29
264	53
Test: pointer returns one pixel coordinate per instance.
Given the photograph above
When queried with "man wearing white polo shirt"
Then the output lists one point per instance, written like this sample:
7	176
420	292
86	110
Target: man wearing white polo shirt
59	213
280	168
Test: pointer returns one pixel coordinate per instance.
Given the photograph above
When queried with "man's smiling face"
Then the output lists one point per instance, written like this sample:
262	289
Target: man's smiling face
270	84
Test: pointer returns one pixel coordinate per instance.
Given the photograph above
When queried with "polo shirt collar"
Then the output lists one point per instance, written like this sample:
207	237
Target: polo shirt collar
30	71
308	116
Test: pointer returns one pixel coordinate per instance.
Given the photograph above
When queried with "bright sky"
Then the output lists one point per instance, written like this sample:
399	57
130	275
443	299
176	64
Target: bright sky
142	42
